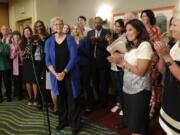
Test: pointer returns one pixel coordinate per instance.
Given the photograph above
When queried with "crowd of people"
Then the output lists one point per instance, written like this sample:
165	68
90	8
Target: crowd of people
77	65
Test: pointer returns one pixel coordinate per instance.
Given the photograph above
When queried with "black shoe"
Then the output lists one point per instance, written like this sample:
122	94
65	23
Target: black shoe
60	127
1	100
20	98
75	132
9	99
55	113
39	107
121	125
105	105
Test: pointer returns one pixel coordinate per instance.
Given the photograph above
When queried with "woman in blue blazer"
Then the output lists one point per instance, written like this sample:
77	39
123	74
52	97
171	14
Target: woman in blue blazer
85	64
61	60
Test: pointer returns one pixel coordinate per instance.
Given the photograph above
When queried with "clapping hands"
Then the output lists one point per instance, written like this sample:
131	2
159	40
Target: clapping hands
162	49
116	58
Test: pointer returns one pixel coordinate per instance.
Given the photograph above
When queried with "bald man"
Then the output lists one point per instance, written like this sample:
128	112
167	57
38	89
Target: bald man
5	32
129	16
100	65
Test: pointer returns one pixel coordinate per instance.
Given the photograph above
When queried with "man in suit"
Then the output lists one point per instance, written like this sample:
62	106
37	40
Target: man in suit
100	66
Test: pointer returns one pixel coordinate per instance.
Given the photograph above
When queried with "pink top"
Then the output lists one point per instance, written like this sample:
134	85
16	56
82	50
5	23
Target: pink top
14	57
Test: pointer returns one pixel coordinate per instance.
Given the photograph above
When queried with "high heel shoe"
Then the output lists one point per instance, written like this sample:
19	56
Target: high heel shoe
55	113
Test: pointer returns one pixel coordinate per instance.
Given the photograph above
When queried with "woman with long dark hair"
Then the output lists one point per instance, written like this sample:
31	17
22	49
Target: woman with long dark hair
149	20
40	35
136	84
27	51
117	74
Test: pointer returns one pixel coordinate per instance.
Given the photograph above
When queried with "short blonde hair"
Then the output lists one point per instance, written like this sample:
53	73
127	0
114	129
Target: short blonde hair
54	19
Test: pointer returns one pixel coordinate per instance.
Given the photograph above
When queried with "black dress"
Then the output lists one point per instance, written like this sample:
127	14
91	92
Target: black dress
170	111
28	69
68	106
62	55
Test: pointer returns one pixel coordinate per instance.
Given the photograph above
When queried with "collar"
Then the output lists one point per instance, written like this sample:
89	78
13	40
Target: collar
98	30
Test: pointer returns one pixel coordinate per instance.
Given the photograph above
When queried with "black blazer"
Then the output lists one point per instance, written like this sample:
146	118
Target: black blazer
101	45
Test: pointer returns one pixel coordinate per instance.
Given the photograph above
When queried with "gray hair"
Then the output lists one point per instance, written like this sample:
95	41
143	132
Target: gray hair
52	21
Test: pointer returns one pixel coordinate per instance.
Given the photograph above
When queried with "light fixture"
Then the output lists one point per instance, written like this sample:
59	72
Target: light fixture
104	12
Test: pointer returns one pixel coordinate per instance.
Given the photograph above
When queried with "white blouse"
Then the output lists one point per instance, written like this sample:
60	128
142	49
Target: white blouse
134	83
175	52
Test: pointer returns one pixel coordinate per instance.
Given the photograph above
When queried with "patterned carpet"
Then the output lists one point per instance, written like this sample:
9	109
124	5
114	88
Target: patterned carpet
17	118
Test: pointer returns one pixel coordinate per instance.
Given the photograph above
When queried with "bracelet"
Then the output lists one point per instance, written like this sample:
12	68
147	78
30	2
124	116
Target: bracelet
65	71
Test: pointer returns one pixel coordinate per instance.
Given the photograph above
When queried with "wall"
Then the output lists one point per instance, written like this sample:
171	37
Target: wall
21	10
4	19
48	10
74	8
35	9
69	10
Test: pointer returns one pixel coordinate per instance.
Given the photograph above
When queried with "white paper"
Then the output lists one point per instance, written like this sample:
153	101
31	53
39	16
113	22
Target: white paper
118	45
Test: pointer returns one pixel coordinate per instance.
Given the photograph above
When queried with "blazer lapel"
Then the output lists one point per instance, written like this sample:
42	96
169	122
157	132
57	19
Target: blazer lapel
102	33
93	33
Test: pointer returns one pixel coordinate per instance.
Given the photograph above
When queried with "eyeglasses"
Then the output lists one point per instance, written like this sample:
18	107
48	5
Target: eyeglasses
58	24
143	16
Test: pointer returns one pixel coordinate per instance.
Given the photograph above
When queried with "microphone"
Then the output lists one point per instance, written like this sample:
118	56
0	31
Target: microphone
45	38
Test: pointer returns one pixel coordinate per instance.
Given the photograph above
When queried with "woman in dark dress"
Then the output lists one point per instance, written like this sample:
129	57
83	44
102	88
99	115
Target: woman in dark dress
28	69
39	38
169	64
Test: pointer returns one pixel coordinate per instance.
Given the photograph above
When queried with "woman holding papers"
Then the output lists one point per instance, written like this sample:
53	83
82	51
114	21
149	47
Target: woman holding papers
136	81
116	40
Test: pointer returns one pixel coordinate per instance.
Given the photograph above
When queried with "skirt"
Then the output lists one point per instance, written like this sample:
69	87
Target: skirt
48	81
28	72
136	111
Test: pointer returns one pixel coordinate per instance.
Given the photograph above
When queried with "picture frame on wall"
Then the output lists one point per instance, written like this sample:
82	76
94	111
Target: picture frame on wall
163	16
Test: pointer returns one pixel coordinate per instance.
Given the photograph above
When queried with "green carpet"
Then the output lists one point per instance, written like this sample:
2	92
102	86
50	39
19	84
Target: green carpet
17	118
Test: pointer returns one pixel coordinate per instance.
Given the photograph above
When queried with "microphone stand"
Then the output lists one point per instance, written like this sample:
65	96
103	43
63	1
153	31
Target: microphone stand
42	87
43	84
